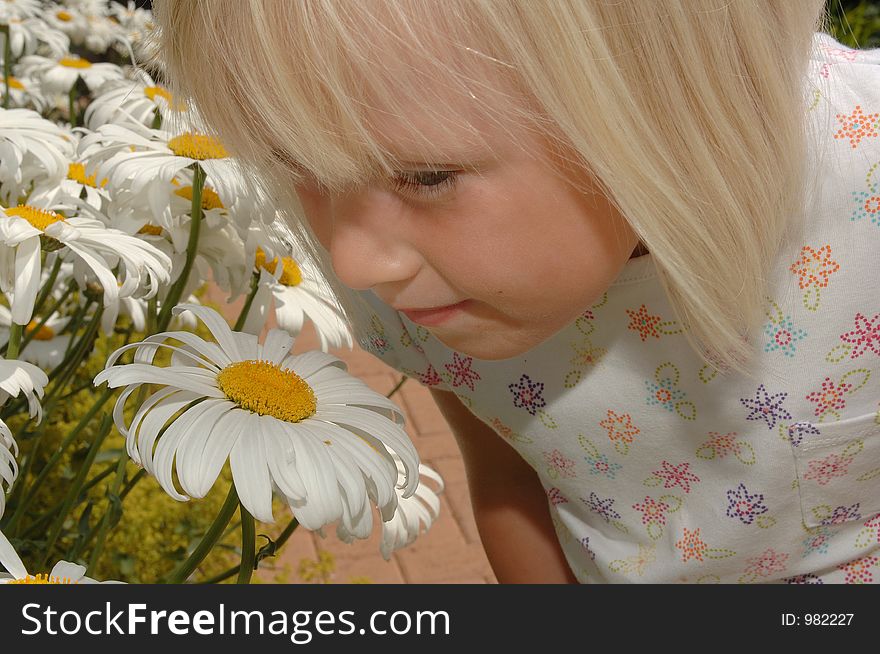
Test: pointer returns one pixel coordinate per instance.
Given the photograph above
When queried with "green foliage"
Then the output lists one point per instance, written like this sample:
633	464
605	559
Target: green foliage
855	23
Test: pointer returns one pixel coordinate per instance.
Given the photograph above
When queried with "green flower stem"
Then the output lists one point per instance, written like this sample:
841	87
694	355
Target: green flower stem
248	546
40	523
151	315
71	361
29	336
279	543
71	104
397	388
140	474
215	531
75	487
48	286
31	492
14	346
7	65
242	316
72	327
114	510
157	120
51	398
176	289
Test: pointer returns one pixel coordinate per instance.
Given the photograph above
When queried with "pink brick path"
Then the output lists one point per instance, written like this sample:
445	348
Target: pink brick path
451	551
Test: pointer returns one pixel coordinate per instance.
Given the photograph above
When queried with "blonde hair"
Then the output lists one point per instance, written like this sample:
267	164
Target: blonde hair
688	112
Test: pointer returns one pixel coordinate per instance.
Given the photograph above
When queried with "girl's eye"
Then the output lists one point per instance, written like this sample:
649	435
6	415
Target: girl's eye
425	183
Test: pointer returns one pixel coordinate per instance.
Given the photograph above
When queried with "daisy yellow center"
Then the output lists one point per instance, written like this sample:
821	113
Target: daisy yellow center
153	92
210	199
152	229
290	275
41	579
265	388
44	333
75	62
15	84
77	172
63	15
197	146
39	218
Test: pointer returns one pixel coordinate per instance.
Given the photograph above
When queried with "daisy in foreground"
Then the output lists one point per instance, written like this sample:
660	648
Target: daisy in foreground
62	573
295	423
17	377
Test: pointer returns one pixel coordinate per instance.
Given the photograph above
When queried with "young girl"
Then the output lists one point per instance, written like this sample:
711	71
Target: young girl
631	247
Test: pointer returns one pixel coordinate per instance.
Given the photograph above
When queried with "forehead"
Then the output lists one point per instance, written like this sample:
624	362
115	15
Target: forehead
432	90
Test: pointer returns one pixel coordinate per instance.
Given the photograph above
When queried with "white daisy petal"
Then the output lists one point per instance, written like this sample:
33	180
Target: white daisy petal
277	345
10	560
251	471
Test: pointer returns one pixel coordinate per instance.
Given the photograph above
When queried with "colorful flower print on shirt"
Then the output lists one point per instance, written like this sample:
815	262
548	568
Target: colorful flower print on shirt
768	563
620	430
527	394
861	570
673	475
798	430
865	338
827	468
781	333
559	465
602	507
867	203
461	371
818	540
766	407
743	505
555	496
857	125
830	397
813	269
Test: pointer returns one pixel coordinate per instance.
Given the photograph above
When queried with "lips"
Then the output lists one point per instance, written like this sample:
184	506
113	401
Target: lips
433	316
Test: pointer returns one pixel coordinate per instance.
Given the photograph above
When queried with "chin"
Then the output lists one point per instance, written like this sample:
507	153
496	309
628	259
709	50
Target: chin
478	347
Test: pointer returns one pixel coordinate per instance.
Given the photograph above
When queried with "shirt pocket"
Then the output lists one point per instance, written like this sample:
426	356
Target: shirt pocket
838	469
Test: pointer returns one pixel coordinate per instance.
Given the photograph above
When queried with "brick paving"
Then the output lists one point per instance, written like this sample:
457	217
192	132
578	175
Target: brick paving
449	552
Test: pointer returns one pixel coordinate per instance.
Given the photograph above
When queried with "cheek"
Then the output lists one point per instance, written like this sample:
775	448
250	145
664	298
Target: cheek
316	210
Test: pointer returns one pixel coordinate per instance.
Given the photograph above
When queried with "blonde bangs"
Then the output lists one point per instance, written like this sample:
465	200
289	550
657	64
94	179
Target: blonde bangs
300	84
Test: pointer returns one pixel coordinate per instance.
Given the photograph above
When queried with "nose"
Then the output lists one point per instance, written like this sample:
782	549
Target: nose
367	241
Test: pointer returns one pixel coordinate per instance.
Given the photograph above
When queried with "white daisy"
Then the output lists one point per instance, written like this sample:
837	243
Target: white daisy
130	16
297	295
26	35
69	20
18	377
297	423
78	184
32	150
413	513
47	347
62	573
59	75
219	255
8	464
10	9
25	94
118	101
94	248
135	158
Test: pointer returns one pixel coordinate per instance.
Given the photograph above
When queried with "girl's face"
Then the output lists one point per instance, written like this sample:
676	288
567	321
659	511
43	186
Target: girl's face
499	228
